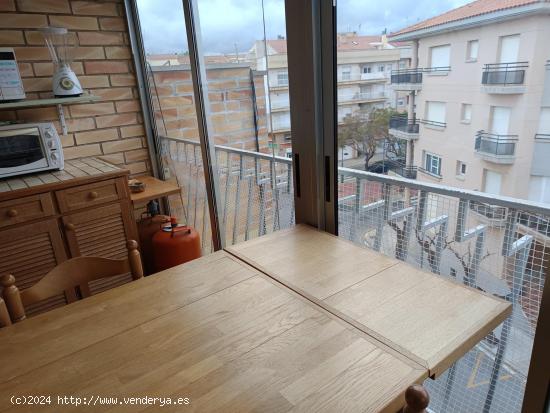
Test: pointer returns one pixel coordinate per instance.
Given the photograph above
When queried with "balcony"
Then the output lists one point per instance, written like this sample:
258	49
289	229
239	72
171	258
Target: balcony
433	124
398	167
346	98
455	233
280	105
504	78
494	148
375	77
407	79
402	128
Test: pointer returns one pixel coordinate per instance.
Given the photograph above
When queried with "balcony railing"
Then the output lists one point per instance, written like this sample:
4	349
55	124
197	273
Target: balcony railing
433	123
426	225
496	145
401	169
437	70
281	125
280	104
423	224
354	97
406	76
504	74
402	124
381	76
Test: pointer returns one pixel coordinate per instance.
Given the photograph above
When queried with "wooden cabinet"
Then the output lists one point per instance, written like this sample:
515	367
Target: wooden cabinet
86	212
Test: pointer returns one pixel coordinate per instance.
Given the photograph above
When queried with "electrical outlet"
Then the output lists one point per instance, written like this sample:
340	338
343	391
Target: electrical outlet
166	172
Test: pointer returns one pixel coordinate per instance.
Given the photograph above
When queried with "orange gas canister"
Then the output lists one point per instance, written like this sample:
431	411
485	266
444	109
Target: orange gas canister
175	245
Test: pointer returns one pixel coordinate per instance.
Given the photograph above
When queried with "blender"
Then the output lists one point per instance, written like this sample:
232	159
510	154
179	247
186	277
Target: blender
61	45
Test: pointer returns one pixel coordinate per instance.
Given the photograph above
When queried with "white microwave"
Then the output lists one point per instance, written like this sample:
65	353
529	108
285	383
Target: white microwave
29	147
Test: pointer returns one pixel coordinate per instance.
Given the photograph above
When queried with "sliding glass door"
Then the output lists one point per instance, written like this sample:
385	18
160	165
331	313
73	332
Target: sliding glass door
244	114
403	86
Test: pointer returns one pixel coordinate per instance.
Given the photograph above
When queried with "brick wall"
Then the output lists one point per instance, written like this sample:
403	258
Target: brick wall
231	105
110	127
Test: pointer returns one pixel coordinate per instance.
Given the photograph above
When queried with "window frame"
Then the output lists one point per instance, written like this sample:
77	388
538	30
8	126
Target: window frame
429	168
463	118
440	46
469	58
282	74
461	169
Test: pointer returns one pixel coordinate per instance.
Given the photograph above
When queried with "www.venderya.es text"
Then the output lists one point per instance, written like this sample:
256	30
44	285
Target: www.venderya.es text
94	400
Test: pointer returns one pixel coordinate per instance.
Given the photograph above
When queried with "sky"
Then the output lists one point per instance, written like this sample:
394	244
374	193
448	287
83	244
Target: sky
229	25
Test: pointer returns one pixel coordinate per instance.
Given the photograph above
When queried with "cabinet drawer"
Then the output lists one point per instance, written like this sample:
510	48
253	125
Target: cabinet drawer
85	196
25	209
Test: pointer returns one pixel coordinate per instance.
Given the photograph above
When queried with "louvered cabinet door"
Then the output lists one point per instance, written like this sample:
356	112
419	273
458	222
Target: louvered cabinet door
100	232
29	252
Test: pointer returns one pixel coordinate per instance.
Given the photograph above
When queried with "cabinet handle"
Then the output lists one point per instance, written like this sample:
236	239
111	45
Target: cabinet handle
12	213
69	226
93	195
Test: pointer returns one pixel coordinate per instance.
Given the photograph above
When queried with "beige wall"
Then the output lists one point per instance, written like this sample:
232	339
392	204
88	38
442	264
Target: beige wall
463	85
112	126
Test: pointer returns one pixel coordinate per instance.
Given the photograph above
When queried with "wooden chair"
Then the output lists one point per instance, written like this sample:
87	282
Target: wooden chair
66	277
5	319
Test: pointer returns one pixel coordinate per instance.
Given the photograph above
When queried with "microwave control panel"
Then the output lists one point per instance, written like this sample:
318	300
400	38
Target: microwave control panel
11	86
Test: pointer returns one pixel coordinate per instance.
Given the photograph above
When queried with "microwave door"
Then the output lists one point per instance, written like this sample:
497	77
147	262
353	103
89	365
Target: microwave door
21	151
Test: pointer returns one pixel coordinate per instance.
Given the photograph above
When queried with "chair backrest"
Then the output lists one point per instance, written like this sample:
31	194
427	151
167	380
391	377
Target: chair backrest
64	278
5	319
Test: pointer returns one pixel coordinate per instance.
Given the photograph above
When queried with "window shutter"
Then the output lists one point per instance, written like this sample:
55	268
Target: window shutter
441	56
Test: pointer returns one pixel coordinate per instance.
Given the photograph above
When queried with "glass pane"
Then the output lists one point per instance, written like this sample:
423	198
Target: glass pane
21	149
425	121
248	110
247	81
171	87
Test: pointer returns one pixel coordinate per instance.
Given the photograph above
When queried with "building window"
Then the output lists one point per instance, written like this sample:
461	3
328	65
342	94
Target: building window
492	182
288	153
460	168
367	69
400	102
346	72
381	68
282	78
509	49
472	50
466	113
539	189
544	121
402	65
435	113
440	56
432	164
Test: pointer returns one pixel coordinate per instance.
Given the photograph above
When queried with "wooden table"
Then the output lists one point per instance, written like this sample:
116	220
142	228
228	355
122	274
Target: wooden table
154	189
428	319
216	331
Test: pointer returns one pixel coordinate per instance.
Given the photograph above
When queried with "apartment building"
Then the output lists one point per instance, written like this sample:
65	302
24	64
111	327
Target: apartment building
479	108
364	66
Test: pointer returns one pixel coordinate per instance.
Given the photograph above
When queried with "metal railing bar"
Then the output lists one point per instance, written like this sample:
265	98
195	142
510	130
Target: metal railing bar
499	200
525	205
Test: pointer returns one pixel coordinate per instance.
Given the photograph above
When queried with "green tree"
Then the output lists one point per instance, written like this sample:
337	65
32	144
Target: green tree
366	131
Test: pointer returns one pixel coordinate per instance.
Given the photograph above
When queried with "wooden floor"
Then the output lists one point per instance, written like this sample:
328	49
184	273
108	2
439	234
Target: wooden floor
217	331
427	318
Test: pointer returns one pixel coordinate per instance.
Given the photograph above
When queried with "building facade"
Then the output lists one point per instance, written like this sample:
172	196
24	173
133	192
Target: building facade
479	98
364	66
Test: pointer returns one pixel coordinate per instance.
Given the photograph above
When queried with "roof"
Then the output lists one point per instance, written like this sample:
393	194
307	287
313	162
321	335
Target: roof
475	8
346	42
